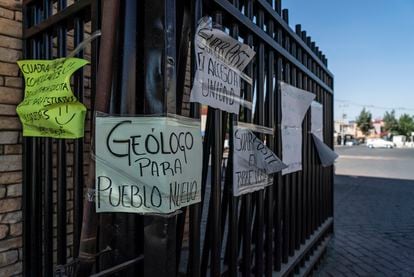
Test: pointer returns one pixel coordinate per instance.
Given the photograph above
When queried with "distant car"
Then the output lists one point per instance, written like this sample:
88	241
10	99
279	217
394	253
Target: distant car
351	142
379	143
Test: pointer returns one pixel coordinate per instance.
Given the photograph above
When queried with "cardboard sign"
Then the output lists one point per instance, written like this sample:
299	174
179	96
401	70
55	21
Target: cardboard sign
326	155
253	162
147	164
49	108
220	61
295	103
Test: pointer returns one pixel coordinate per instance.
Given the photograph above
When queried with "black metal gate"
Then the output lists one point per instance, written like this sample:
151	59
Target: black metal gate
143	65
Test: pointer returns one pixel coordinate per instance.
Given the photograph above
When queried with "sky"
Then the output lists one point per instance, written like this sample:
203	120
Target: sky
370	49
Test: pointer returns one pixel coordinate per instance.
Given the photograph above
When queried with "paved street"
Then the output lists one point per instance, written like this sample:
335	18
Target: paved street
374	214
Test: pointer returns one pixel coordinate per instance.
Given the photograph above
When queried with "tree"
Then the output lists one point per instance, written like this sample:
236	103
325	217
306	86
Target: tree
364	121
390	122
406	125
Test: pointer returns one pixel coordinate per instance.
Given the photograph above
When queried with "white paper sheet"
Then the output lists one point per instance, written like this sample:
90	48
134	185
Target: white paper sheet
292	149
295	103
147	164
253	163
326	155
220	62
317	119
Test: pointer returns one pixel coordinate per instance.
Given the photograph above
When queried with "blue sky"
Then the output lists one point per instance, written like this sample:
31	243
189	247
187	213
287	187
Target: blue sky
370	49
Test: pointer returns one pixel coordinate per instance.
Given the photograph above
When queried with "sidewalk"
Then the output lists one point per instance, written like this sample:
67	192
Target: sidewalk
374	228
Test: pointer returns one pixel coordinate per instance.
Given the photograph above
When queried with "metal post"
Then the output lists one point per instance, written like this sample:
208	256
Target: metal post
160	97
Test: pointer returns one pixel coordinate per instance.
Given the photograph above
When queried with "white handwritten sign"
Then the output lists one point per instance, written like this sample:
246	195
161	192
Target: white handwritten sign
147	164
220	61
295	103
326	155
253	163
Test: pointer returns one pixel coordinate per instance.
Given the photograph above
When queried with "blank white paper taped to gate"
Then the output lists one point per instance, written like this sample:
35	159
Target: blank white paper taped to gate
292	149
317	119
147	164
326	155
220	62
253	163
295	103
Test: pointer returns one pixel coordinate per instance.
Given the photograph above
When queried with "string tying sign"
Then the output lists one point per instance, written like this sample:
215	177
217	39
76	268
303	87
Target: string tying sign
49	108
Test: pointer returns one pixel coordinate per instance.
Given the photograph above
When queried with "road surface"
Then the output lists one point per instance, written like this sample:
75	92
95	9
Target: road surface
374	214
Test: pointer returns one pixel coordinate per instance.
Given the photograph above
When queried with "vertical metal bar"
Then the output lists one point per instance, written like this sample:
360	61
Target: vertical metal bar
269	209
287	178
36	171
61	164
295	182
29	233
102	89
303	179
160	97
259	117
195	210
48	170
78	180
215	259
280	180
247	199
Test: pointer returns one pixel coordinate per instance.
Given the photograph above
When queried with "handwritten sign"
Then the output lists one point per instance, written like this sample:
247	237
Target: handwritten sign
147	164
49	108
253	163
295	103
220	61
326	155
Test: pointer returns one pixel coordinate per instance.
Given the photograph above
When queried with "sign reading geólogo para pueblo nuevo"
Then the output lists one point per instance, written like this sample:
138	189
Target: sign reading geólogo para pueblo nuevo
49	108
147	164
220	62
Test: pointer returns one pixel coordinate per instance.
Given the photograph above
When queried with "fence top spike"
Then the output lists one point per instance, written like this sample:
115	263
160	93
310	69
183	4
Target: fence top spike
298	29
303	36
285	15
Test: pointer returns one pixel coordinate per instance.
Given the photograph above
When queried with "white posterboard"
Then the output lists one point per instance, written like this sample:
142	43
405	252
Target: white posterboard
295	103
253	162
326	155
147	164
220	62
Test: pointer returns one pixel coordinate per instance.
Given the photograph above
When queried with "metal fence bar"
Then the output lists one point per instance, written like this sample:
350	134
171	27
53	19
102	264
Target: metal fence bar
78	174
270	122
48	167
247	199
61	161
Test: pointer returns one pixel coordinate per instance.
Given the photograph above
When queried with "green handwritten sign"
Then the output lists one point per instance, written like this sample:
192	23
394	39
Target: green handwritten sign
49	108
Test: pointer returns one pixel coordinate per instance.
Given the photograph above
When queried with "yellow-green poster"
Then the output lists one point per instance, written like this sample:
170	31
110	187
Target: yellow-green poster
49	108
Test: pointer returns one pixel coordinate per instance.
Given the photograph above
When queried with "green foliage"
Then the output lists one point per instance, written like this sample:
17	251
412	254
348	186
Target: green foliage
390	122
406	125
364	121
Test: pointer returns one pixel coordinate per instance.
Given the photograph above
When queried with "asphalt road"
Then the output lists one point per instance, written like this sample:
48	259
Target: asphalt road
374	214
396	163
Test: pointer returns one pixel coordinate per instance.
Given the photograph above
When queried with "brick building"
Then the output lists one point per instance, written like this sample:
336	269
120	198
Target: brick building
10	139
